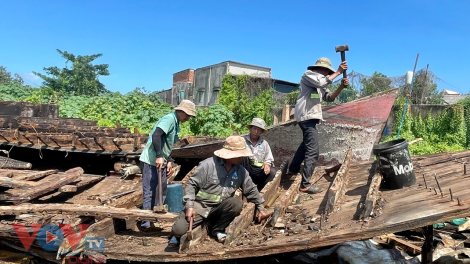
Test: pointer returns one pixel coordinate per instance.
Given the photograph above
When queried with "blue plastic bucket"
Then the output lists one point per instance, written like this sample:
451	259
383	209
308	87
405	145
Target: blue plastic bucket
174	198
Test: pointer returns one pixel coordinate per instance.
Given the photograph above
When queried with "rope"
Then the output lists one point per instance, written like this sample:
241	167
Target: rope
8	156
39	143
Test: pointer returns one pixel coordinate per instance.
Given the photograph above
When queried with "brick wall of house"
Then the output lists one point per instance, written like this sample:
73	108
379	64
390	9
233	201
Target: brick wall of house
184	76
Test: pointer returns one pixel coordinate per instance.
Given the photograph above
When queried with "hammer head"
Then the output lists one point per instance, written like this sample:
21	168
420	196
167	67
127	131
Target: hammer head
342	48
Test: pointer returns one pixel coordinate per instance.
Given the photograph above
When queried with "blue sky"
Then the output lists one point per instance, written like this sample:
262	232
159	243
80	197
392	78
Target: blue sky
145	42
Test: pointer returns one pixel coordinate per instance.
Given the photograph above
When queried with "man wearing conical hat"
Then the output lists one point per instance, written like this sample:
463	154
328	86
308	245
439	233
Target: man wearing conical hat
260	166
308	113
155	157
209	193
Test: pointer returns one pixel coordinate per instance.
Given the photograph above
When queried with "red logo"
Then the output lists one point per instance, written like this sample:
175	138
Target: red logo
50	237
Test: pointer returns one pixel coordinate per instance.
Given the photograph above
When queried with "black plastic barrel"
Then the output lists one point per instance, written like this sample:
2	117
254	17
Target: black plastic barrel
395	164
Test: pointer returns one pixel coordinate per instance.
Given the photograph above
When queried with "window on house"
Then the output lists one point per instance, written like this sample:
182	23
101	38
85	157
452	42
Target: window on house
181	96
214	97
200	97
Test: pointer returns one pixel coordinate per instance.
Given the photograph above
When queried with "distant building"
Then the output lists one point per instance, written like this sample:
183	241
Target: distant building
202	85
452	97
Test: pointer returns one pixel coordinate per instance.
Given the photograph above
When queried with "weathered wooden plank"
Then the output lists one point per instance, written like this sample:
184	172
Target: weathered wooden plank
68	189
134	199
185	180
269	192
371	198
245	218
286	198
87	210
34	175
46	186
17	184
174	171
408	247
9	163
337	189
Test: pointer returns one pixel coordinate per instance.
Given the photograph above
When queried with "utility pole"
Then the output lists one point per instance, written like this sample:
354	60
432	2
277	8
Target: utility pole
425	84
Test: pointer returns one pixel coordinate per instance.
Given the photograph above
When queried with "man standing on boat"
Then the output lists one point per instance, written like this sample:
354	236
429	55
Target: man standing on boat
209	193
308	114
260	166
155	157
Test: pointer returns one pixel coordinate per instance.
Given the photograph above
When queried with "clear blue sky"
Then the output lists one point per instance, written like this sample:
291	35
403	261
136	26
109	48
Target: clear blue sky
145	42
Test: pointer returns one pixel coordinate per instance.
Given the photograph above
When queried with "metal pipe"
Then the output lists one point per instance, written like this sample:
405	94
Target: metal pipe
451	196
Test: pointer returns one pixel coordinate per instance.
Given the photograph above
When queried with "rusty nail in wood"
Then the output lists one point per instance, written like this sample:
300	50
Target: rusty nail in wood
438	185
465	168
451	196
435	191
458	201
425	183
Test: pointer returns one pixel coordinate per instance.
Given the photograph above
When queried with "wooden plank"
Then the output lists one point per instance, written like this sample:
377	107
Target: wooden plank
269	192
338	188
35	175
134	199
17	184
87	210
87	179
286	198
9	163
371	198
185	180
408	247
45	186
174	171
245	218
68	189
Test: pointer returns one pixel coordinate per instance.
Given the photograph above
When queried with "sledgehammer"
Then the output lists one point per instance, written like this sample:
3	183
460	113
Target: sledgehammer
343	50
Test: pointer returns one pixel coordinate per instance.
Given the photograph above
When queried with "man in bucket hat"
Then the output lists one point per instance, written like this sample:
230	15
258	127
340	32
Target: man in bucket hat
308	113
209	193
156	157
260	165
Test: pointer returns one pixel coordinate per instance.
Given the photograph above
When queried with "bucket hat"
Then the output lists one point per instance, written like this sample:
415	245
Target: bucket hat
188	107
323	63
258	122
234	147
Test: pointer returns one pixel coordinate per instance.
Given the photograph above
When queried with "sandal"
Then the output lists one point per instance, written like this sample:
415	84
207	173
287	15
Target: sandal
174	242
221	237
312	190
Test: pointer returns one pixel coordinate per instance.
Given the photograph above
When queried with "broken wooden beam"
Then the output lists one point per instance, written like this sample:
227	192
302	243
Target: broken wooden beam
338	187
34	175
245	218
174	171
286	199
16	184
9	163
371	198
47	185
87	210
270	192
198	234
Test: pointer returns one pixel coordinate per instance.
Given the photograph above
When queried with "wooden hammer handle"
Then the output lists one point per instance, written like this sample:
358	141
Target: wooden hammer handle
343	58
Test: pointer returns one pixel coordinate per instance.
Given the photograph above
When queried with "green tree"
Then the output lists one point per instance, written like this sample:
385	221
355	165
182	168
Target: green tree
424	90
81	78
6	78
376	83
